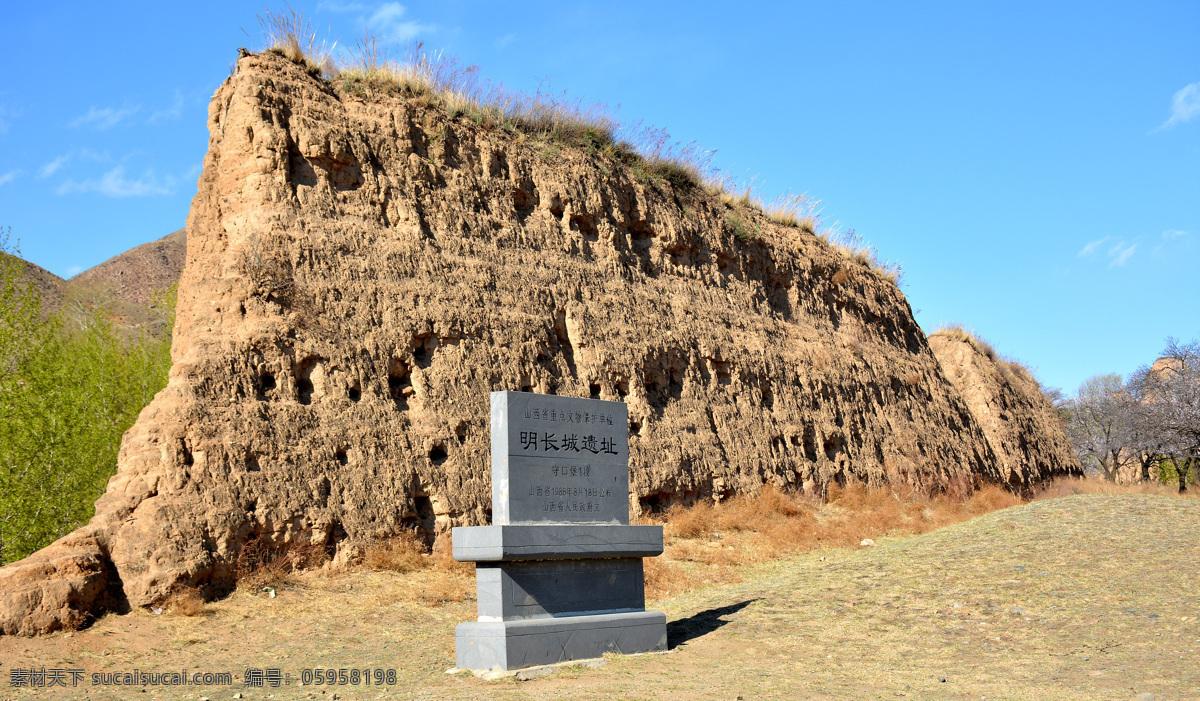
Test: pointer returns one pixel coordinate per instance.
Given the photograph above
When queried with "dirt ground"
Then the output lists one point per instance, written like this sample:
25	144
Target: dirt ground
1084	597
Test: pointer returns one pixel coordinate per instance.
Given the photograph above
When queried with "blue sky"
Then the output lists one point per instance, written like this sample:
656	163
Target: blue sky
1035	169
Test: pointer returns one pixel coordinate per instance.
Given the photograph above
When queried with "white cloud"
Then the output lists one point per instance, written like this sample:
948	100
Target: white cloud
97	118
1116	251
1091	247
1120	254
9	177
1173	234
1184	106
114	183
173	112
52	167
388	21
505	40
74	270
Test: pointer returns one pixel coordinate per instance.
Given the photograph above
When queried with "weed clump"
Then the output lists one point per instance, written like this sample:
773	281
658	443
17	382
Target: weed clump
853	248
741	229
185	601
290	34
264	567
404	553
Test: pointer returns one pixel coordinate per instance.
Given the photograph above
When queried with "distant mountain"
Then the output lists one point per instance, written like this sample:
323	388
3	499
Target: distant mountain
125	283
50	287
135	274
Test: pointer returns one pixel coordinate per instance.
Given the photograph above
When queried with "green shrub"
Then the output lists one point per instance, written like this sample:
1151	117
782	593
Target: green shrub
71	388
742	230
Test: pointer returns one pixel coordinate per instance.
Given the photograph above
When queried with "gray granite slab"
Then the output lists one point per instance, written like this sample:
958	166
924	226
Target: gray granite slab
559	459
544	542
523	590
517	644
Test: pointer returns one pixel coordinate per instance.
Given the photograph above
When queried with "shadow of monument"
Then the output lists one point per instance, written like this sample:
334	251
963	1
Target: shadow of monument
703	623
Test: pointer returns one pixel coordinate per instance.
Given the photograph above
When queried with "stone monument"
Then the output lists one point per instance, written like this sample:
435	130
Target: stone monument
559	572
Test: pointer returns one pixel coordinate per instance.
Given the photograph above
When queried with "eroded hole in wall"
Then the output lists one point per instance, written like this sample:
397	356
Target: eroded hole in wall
437	454
723	372
654	391
399	383
641	232
336	535
635	427
768	397
251	506
341	456
832	446
424	520
524	201
655	503
556	208
304	390
594	390
301	171
309	371
266	383
810	443
252	463
188	461
423	348
623	388
460	432
355	392
585	226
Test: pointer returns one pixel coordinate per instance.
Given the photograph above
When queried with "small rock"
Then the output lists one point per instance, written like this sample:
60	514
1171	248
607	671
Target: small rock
1018	610
867	543
238	695
1146	696
942	679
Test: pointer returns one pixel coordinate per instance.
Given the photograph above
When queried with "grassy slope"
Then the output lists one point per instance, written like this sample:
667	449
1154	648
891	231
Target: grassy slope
1077	598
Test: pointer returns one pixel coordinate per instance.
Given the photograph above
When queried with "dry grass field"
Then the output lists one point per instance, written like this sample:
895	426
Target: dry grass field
1080	595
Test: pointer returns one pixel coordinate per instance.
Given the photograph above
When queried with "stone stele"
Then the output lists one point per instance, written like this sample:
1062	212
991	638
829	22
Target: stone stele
559	571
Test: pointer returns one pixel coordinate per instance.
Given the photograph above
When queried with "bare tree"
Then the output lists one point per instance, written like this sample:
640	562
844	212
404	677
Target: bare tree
1148	442
1168	406
1100	424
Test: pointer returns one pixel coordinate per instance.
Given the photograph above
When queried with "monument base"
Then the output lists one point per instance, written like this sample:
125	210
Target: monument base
538	641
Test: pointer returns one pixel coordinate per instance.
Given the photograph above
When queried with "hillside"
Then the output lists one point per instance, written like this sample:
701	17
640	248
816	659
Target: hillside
364	266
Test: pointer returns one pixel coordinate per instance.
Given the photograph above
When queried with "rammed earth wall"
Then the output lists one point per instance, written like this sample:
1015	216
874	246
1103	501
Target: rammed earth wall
363	271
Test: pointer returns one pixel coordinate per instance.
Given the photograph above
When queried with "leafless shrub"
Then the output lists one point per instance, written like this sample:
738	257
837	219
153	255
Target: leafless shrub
268	270
403	553
262	565
185	601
